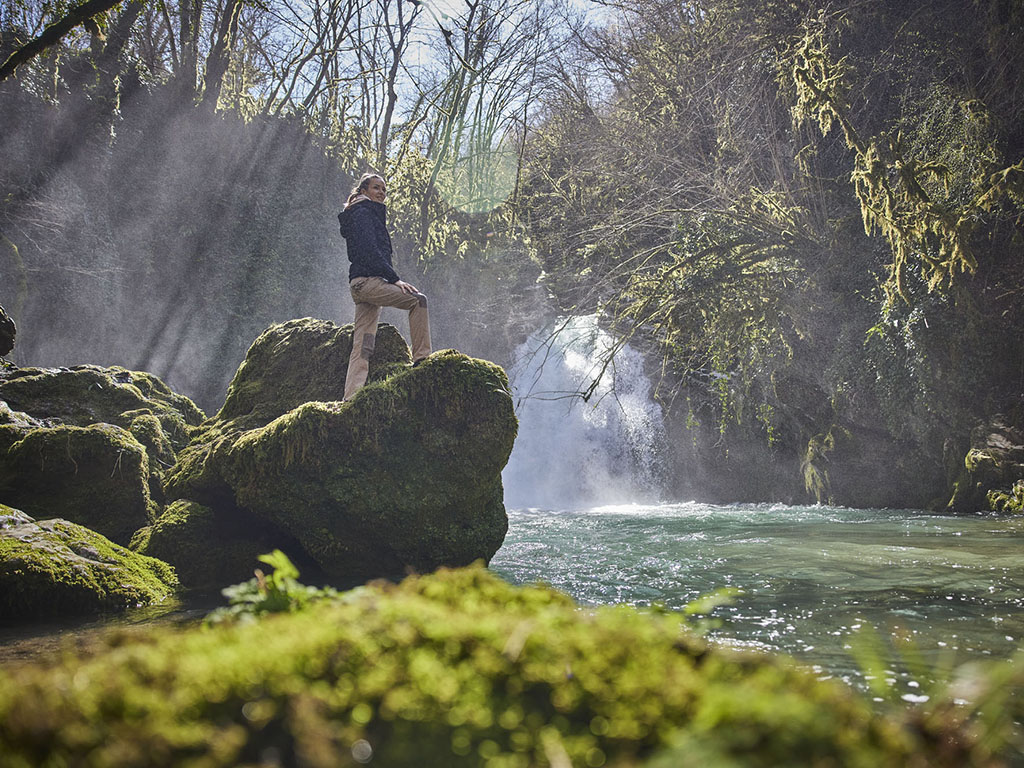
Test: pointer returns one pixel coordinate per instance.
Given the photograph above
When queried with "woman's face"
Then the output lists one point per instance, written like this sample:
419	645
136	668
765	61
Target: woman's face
376	190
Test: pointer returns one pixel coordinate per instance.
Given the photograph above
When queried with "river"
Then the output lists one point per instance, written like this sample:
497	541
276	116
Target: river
812	579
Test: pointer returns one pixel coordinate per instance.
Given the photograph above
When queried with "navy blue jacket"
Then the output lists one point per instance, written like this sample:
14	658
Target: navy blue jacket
364	227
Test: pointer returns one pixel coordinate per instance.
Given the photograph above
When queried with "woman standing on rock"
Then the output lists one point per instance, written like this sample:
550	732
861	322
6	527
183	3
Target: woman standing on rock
373	281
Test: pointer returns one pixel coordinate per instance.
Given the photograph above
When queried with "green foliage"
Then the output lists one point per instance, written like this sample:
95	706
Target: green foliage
982	698
276	592
453	669
912	195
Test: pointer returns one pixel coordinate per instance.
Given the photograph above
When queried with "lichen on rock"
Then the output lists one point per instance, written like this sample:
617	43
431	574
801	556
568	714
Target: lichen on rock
55	568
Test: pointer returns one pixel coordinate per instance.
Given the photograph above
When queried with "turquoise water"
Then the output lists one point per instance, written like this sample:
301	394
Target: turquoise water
812	578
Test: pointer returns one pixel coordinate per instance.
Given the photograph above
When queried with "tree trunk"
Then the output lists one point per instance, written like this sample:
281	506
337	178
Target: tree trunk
53	34
217	61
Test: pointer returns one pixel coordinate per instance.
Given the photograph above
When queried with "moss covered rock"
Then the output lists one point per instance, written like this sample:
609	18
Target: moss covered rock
288	365
991	469
301	361
456	669
208	550
76	442
90	394
14	425
57	568
96	476
406	476
1008	501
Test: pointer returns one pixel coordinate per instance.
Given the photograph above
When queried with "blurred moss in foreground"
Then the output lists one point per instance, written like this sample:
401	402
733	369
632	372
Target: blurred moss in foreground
453	669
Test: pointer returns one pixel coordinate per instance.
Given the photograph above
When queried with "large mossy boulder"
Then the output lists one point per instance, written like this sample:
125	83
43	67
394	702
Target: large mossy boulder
88	394
405	476
55	568
456	669
301	361
992	469
89	444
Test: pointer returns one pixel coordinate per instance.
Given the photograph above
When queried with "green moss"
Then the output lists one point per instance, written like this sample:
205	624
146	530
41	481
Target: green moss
96	476
407	475
10	517
89	394
288	365
994	463
300	361
57	568
209	550
455	669
14	425
1011	500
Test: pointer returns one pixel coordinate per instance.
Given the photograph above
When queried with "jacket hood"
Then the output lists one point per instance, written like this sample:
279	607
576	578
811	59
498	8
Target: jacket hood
346	217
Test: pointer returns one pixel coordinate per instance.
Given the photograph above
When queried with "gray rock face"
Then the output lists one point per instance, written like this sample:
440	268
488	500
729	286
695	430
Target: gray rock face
7	332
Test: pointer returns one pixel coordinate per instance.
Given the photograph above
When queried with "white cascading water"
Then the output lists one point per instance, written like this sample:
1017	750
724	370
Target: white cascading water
570	453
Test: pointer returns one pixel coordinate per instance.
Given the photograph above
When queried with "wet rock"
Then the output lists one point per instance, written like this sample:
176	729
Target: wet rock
406	476
56	568
7	332
992	468
97	476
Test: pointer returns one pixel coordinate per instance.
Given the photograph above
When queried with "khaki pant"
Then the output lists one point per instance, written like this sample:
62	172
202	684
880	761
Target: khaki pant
370	294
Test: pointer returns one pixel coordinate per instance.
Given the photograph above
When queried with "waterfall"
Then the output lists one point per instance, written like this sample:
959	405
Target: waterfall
570	453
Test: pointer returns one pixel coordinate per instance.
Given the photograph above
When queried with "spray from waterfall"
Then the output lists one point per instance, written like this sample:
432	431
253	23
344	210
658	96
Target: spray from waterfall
572	453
